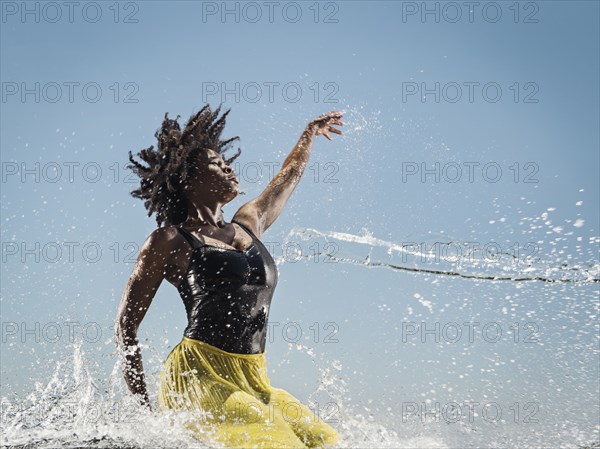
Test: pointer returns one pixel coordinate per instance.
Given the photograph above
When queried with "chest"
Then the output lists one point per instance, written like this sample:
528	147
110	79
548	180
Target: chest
219	269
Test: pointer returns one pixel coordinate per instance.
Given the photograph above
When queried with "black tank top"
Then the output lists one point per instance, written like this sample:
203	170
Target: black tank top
227	294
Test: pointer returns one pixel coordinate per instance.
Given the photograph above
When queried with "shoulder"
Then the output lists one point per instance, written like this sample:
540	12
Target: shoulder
163	241
247	216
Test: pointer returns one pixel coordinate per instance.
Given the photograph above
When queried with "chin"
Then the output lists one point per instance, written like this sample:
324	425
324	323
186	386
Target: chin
230	195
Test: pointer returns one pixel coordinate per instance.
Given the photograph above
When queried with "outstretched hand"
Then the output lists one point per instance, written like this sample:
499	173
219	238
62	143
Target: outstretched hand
322	125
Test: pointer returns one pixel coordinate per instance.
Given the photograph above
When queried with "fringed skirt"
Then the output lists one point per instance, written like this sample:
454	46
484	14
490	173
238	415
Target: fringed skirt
236	403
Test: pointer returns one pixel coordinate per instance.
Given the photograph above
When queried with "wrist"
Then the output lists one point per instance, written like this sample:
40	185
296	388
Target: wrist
310	130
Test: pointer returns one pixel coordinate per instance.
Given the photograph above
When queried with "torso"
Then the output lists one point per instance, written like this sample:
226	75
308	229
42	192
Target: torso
226	289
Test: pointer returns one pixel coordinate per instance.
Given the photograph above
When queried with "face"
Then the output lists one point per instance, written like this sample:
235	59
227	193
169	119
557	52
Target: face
214	178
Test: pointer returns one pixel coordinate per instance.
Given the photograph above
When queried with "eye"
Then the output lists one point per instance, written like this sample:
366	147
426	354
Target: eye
219	162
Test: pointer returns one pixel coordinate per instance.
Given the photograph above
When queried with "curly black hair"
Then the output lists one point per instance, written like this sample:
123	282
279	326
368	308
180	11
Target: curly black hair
170	166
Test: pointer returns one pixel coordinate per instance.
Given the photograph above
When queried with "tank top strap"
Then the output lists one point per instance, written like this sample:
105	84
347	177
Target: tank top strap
193	241
246	229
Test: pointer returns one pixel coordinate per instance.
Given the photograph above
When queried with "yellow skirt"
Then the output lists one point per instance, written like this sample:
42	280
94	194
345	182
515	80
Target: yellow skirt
238	405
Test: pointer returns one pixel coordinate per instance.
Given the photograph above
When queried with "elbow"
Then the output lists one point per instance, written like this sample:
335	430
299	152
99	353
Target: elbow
119	336
124	334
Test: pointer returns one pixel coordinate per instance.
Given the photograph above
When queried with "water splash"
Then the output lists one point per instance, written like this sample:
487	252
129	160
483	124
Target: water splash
502	266
76	409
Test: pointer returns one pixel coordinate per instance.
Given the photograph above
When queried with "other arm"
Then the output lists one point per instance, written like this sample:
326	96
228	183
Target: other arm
146	277
261	212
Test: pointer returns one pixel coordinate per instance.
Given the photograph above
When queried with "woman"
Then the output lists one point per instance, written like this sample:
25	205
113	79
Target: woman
226	278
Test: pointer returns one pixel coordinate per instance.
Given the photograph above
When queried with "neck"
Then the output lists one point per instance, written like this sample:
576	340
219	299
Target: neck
205	215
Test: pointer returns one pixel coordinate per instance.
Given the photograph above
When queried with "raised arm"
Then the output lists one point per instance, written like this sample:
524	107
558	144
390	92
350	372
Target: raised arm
146	277
261	212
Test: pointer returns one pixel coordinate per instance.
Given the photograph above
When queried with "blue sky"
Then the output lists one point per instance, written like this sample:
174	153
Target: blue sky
533	113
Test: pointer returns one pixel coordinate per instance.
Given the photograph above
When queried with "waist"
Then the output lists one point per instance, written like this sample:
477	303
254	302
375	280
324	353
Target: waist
236	324
206	347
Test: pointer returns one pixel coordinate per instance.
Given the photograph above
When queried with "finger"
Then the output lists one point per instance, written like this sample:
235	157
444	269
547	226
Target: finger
333	130
327	135
332	115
